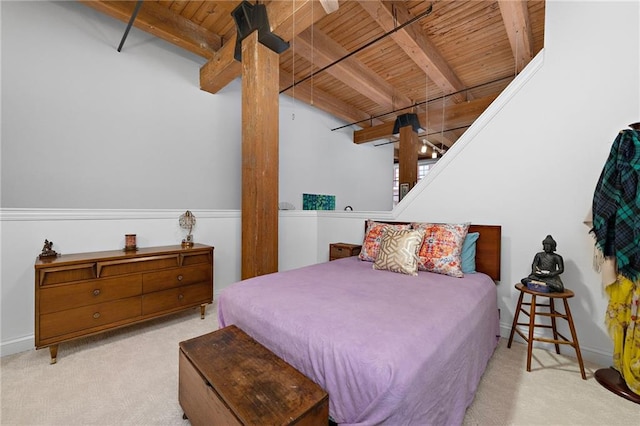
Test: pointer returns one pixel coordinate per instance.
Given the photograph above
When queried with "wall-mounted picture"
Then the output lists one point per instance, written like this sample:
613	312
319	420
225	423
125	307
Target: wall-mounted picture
318	202
404	190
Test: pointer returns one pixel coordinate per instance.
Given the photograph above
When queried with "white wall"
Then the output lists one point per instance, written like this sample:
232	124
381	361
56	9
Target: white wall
358	175
85	126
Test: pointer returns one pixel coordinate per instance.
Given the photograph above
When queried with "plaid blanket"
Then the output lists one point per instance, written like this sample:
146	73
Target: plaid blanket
616	205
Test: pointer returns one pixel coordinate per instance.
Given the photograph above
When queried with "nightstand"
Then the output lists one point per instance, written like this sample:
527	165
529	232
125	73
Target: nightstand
340	250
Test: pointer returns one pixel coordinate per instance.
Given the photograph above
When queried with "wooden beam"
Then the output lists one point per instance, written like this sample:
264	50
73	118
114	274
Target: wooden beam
162	23
458	115
415	43
260	126
321	50
374	133
516	21
408	156
222	69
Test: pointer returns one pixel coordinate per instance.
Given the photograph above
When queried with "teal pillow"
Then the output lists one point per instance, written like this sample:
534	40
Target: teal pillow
468	255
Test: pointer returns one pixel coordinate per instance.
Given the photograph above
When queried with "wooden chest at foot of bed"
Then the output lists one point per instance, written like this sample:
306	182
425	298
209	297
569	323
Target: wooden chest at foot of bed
227	378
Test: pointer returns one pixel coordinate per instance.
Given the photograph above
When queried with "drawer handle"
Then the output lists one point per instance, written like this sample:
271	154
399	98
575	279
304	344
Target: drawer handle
179	277
96	292
180	297
96	315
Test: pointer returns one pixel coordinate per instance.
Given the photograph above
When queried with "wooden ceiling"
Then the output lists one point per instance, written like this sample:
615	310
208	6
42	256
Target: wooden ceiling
369	61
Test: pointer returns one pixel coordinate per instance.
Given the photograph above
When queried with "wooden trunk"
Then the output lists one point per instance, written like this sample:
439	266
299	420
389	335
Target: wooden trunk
227	378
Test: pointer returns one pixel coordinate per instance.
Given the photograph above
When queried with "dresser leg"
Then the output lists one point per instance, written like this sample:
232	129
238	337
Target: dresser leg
202	308
53	352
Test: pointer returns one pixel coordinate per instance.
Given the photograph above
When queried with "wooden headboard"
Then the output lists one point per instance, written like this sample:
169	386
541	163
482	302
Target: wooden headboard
488	248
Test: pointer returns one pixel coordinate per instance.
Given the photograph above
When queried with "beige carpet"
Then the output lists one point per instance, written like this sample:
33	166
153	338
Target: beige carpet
130	377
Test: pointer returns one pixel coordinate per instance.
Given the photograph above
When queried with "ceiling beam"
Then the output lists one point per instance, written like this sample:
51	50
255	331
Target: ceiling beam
321	50
515	16
223	68
162	23
455	116
413	40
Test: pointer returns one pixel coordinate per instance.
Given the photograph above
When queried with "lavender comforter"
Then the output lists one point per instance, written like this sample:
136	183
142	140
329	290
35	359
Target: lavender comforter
388	348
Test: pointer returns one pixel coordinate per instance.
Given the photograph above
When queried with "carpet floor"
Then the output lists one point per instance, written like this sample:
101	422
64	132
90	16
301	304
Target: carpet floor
130	377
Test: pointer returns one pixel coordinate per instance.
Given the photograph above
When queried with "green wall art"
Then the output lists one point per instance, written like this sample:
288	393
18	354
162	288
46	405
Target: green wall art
318	202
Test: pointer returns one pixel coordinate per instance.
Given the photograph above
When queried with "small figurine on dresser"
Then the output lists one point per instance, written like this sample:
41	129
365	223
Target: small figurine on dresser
47	250
546	269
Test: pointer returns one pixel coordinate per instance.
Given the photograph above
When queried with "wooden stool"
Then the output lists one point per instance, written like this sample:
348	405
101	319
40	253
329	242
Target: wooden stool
558	339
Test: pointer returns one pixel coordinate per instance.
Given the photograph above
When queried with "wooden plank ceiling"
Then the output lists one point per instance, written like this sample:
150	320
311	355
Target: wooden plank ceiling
368	61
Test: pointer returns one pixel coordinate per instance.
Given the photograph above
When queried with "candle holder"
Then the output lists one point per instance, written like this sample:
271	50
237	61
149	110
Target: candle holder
130	242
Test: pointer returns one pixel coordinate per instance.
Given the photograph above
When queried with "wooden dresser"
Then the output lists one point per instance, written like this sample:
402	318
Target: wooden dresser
77	295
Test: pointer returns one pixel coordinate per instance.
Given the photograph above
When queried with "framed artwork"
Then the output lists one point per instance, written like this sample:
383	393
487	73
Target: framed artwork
318	202
404	190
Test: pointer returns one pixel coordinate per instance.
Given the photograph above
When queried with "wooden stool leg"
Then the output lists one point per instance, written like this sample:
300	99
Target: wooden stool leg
552	311
516	315
532	322
574	337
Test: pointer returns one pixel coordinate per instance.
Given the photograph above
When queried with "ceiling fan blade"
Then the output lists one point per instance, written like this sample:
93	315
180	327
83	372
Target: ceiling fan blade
329	6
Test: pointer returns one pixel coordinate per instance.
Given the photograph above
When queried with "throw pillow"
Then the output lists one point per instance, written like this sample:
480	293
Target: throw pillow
372	237
399	251
441	248
468	255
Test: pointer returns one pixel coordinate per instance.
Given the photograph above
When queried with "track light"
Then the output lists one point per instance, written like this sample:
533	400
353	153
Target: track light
435	150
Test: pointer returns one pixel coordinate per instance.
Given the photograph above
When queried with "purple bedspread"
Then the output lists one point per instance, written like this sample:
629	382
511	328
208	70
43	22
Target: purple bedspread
388	348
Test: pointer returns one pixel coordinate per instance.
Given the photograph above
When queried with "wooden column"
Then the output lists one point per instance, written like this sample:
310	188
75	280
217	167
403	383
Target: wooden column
260	84
408	156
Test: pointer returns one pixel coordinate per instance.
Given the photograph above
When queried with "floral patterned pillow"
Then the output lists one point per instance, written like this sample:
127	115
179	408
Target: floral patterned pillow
373	236
441	247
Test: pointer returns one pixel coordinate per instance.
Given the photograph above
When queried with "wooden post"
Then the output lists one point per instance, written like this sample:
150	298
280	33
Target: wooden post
260	84
408	156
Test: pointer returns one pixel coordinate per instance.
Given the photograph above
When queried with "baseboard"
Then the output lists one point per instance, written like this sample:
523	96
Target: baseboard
15	346
596	356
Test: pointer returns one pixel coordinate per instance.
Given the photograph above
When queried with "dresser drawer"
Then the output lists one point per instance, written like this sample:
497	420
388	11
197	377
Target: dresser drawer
141	264
87	317
66	274
176	277
176	298
59	298
195	258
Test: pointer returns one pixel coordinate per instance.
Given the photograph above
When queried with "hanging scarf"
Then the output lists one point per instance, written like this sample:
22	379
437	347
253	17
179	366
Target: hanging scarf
623	324
616	205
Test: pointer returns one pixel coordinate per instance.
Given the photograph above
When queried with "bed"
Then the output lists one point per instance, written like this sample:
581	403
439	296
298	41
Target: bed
389	348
